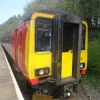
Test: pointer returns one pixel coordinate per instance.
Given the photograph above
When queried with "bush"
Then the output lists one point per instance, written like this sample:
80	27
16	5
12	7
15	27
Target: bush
94	56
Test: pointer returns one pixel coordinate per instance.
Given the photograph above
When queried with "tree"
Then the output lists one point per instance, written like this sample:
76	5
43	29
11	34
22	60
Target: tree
71	6
41	4
90	8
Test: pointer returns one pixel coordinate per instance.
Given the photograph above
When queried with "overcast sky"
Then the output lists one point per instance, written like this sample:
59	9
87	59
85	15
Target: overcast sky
8	8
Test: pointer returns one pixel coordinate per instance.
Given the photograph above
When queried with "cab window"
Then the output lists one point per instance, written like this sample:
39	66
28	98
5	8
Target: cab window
43	34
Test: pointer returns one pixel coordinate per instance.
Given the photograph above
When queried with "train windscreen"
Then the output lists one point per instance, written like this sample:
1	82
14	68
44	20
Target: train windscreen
43	34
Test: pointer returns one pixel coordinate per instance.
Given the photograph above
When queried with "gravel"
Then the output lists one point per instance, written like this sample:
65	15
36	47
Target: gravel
87	92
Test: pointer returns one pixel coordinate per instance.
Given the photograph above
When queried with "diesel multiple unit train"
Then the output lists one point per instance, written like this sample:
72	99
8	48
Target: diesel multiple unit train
49	48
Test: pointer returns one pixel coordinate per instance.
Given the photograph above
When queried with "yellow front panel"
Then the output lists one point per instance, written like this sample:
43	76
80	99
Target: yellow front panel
41	61
67	64
38	59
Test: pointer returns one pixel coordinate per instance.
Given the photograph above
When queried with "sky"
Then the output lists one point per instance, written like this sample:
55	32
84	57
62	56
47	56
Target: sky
9	8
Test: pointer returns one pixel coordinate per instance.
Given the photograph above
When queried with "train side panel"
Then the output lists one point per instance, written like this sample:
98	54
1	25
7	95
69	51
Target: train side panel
19	36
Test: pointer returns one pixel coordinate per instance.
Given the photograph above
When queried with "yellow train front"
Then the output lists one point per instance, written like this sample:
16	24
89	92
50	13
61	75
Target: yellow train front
46	47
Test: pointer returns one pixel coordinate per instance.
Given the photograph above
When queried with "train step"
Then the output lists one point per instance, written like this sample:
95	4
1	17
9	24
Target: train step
41	97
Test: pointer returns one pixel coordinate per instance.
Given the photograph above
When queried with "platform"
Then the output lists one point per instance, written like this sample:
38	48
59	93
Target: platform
8	89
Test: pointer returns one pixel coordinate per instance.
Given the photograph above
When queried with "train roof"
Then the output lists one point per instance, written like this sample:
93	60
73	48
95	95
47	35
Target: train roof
69	16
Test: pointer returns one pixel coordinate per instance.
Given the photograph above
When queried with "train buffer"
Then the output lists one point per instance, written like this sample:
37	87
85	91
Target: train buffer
8	85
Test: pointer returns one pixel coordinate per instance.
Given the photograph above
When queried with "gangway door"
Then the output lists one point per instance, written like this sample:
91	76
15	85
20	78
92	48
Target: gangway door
66	56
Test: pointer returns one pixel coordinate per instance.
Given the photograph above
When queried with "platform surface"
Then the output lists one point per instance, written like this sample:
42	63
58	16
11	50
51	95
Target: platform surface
7	89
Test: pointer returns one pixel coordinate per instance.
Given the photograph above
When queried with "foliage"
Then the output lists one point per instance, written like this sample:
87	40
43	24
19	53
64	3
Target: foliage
94	51
94	34
83	8
5	29
94	56
93	75
71	6
90	8
40	4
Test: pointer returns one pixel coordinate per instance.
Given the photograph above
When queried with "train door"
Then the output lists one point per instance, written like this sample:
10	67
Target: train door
66	50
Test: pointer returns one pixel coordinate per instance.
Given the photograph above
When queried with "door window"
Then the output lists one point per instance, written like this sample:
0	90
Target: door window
69	31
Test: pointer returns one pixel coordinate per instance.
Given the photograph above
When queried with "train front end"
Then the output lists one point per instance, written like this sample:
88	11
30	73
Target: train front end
53	46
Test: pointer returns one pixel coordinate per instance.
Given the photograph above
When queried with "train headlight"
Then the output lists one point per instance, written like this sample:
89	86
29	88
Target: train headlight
82	65
42	71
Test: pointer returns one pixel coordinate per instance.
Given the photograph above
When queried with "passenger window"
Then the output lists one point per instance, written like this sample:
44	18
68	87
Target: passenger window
43	34
83	37
20	38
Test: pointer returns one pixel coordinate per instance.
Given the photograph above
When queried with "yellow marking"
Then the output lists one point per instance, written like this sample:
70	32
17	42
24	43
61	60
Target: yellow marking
67	58
84	53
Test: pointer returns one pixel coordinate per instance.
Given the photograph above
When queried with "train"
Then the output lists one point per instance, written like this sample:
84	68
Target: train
50	49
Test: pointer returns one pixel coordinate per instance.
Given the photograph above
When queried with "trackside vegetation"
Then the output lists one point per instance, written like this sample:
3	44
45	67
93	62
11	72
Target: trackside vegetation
93	74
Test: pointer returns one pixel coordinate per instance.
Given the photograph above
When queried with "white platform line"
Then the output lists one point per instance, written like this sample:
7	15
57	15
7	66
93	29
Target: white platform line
18	91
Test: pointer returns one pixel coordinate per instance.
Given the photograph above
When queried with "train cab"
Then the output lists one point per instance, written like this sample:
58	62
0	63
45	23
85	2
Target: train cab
48	47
